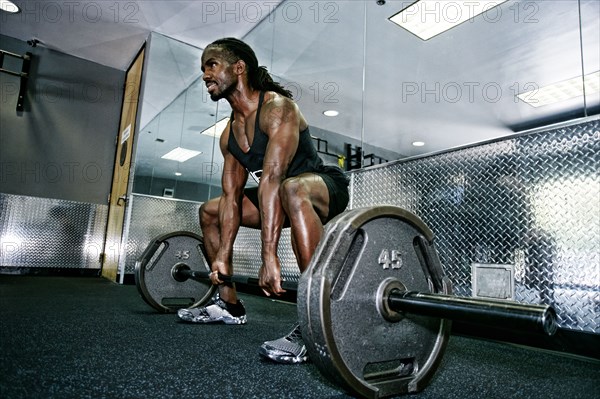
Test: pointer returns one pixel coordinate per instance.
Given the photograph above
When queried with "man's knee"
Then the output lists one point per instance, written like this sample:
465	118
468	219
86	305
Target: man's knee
293	193
208	213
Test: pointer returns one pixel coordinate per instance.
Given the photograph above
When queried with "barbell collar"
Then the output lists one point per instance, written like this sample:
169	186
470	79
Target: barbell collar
501	314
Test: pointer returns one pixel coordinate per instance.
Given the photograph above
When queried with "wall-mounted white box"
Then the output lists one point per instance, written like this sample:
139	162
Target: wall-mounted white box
493	281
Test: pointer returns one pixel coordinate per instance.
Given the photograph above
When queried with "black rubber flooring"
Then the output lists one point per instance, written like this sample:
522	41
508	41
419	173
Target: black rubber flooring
78	337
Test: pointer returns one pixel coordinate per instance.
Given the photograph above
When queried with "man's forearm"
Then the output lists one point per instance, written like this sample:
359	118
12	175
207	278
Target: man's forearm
272	217
229	221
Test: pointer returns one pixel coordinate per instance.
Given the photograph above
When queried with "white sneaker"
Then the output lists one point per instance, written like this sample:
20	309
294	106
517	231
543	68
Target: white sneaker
215	312
289	349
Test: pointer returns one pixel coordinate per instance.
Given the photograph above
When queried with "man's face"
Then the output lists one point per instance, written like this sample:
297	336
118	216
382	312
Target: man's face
218	73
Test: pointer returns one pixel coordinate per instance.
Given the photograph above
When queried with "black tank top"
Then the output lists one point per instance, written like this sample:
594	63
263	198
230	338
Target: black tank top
305	160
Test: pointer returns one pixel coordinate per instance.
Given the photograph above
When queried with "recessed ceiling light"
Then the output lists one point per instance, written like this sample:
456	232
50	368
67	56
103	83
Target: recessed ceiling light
331	112
216	129
9	6
418	143
428	18
562	91
180	154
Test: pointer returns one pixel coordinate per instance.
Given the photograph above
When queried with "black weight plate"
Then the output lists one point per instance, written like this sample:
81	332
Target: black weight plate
154	278
340	297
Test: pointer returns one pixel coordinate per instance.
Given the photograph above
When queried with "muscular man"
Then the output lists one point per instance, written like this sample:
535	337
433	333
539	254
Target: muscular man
268	138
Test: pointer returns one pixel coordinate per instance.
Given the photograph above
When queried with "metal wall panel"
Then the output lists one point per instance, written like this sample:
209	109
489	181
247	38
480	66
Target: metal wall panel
150	217
532	201
50	233
247	254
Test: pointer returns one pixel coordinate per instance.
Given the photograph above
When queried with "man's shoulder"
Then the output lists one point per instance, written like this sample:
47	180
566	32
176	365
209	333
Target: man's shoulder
274	98
275	102
278	109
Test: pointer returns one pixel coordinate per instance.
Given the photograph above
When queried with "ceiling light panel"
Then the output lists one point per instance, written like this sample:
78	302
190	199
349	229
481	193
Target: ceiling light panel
428	18
180	154
217	129
9	6
562	91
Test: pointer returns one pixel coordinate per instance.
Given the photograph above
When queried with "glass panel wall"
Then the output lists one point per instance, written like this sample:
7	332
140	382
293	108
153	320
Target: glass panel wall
177	113
590	43
316	49
480	80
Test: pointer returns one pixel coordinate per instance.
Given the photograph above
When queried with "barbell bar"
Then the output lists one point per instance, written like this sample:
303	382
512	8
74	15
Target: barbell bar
182	272
511	315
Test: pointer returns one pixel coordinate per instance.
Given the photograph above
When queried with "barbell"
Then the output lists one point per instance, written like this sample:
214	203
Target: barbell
374	305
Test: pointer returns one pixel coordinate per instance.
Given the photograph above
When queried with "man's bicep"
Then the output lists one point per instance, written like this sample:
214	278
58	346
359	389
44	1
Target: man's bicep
283	132
280	151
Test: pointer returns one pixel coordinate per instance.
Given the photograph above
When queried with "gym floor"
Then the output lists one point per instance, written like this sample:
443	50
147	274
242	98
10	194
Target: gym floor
85	337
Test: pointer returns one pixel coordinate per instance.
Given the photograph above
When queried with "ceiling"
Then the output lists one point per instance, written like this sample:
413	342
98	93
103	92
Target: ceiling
111	32
457	88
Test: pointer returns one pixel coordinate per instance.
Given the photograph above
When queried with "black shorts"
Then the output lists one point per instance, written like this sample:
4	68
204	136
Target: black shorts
337	185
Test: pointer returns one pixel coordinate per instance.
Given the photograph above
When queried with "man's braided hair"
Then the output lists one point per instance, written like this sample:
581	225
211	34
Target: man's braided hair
258	76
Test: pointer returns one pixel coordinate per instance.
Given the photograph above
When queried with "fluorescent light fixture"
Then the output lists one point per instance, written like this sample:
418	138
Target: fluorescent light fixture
418	143
428	18
331	112
9	6
562	91
180	154
216	129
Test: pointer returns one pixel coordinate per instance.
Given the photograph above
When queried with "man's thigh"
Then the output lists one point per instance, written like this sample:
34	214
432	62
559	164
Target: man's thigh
313	186
250	213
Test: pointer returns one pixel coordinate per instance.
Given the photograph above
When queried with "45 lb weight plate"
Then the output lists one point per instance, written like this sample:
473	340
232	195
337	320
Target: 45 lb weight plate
351	334
155	275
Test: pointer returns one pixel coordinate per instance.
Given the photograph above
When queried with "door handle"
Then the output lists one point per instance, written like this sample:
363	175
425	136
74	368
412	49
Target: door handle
122	198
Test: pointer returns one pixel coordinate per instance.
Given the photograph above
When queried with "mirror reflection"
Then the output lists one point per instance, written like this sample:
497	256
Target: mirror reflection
516	66
175	145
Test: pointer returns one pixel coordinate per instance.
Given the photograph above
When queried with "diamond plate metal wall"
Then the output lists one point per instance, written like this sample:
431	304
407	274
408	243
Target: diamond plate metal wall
532	201
247	254
50	233
150	217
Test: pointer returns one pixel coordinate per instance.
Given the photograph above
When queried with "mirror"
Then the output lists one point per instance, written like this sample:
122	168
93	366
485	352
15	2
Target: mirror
177	112
318	51
462	86
466	85
590	43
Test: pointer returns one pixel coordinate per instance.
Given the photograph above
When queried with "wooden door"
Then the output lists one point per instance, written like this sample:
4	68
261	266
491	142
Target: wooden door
113	244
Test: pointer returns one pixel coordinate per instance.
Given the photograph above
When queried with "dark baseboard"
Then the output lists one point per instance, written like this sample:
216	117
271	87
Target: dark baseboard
565	341
128	279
